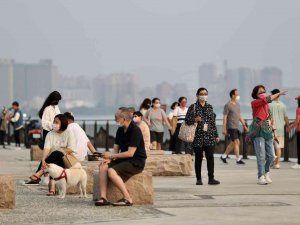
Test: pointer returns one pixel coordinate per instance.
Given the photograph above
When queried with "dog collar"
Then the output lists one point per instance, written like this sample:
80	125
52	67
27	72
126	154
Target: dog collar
62	176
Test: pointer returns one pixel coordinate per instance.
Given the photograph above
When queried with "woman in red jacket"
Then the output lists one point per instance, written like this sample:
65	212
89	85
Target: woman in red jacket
263	125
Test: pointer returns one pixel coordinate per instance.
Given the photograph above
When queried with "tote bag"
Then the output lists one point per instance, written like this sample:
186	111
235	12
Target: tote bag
187	132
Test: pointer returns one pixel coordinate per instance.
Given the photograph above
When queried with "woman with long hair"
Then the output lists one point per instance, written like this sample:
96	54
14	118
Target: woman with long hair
146	104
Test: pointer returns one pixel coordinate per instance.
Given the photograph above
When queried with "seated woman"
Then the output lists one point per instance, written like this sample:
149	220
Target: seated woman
58	143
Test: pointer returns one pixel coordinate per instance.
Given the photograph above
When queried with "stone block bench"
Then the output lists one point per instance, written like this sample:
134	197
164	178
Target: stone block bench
139	186
36	154
169	165
7	192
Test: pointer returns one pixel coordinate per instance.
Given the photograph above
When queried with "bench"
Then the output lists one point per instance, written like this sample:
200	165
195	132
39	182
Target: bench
7	192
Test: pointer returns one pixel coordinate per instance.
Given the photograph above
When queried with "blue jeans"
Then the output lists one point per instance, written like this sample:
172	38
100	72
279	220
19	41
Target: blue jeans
264	150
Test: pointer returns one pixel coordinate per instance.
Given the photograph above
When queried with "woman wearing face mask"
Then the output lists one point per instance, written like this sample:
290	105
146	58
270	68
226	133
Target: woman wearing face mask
206	135
59	142
156	117
180	113
262	125
138	119
146	104
47	113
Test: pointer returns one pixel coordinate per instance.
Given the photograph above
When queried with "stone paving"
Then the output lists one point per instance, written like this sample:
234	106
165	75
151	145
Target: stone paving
238	200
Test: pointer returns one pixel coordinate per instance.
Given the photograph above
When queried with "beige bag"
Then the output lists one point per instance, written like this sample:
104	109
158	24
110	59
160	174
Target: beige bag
70	160
187	132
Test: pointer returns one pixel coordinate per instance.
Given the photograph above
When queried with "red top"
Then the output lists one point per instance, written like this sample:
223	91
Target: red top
298	114
260	108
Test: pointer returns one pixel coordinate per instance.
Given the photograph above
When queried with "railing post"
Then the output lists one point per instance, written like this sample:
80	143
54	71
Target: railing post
83	125
286	152
245	146
8	134
107	136
95	133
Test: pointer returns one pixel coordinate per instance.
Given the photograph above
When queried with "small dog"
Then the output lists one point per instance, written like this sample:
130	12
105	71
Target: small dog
68	177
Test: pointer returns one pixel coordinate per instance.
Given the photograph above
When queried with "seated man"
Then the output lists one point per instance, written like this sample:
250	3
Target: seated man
128	158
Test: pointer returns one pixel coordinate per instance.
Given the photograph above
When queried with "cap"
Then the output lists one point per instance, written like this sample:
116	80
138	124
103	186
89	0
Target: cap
275	91
298	98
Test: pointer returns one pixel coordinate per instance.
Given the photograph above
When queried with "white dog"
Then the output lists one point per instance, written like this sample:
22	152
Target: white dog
68	177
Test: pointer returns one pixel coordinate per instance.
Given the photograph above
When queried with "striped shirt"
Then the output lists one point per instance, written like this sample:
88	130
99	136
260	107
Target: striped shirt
180	113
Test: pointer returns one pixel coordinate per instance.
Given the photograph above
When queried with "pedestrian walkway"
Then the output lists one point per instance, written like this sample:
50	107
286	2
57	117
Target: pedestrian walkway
238	200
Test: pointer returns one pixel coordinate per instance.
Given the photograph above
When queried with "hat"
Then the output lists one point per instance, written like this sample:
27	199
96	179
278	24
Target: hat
275	91
298	98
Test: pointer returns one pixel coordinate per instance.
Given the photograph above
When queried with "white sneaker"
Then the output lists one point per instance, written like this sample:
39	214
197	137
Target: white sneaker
44	181
276	166
296	166
262	180
267	178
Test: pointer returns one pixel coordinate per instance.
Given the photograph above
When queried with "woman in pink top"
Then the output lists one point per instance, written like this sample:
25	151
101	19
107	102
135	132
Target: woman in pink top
138	119
297	126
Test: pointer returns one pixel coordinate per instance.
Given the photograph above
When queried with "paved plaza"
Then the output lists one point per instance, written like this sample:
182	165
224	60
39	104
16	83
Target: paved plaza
238	200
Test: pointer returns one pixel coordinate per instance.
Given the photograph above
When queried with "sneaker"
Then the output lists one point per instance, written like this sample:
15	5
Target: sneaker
296	166
199	182
32	182
267	178
44	181
223	159
213	182
262	180
276	166
240	162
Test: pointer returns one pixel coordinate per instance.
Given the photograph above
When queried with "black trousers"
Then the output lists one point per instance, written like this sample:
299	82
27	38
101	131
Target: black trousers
298	146
41	145
2	136
17	137
55	157
209	154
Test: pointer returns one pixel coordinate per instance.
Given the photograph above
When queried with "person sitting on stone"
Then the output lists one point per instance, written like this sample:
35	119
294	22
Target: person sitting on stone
127	159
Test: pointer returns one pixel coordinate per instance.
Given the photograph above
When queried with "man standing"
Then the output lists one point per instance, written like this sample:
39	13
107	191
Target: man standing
232	116
3	126
280	118
128	158
17	120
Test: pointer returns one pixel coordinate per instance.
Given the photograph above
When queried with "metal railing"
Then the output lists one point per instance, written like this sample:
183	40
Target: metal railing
102	135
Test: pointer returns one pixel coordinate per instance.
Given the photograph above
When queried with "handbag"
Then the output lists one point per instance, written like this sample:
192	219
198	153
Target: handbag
187	132
69	160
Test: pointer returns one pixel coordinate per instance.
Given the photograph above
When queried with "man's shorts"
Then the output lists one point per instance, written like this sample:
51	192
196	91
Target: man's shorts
281	142
234	134
157	136
125	169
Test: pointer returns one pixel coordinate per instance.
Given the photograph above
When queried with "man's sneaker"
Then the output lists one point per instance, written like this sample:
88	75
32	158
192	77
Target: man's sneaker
296	166
213	182
267	178
276	166
262	180
32	182
199	182
240	162
223	159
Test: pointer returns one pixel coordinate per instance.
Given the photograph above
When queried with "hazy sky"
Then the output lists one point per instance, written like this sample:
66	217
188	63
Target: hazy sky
157	38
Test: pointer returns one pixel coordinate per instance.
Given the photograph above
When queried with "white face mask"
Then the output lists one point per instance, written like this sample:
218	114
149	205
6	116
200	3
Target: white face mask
237	98
157	105
55	127
135	119
203	97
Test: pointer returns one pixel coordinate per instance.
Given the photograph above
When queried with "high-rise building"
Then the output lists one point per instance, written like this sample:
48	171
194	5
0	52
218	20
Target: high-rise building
6	82
271	77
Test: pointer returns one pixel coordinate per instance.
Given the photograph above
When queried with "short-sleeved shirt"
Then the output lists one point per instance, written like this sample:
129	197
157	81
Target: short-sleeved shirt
298	114
180	113
233	112
81	141
157	119
57	141
132	138
278	110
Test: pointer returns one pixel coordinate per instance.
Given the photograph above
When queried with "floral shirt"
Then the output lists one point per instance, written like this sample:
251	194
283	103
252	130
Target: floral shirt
203	138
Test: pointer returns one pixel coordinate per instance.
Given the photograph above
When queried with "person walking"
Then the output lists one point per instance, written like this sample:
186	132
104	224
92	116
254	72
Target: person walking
296	124
17	120
173	122
3	126
281	119
145	106
156	117
231	118
47	113
262	126
206	135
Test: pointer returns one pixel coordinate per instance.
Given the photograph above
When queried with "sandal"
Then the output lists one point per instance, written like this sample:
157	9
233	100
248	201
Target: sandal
32	181
36	178
102	202
51	193
123	200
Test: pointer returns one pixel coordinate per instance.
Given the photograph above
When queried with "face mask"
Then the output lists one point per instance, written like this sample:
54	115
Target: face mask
263	95
237	97
183	104
157	105
135	119
203	97
55	127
